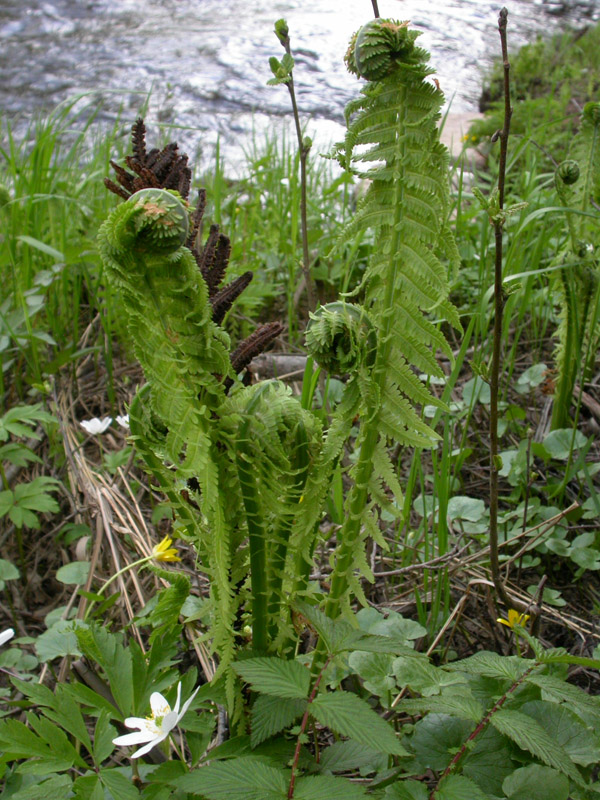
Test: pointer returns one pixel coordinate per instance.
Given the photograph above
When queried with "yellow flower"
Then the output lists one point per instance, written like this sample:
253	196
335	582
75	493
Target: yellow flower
514	618
164	552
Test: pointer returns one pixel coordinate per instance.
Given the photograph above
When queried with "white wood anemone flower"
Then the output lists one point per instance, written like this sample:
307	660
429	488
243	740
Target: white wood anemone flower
154	729
6	635
95	426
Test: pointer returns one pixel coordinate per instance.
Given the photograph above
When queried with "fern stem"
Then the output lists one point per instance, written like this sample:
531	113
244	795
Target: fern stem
256	541
358	495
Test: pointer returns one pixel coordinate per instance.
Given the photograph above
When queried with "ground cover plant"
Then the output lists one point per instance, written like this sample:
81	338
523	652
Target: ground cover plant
375	580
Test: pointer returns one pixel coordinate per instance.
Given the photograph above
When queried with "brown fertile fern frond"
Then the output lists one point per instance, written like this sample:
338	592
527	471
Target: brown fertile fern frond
168	169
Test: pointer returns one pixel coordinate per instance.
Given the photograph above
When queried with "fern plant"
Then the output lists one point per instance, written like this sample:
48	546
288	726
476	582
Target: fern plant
392	141
233	459
578	186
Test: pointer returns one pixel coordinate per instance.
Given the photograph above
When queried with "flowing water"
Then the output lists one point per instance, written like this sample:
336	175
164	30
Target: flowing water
204	63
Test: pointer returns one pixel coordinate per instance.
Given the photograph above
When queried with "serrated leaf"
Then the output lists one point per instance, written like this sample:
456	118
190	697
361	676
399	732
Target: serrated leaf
54	786
530	736
270	715
436	738
375	669
18	741
67	714
407	790
490	761
348	755
561	691
422	676
58	641
348	715
464	706
457	787
492	665
275	676
324	787
238	779
535	782
581	744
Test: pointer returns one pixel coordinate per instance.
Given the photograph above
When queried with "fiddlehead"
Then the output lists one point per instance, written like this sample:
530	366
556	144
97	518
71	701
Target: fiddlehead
392	129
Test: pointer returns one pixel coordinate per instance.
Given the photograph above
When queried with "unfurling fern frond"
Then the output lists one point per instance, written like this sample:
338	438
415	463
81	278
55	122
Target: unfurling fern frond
577	182
393	140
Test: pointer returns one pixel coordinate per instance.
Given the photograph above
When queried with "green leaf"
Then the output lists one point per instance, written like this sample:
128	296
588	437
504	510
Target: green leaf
535	782
491	665
581	743
375	669
88	787
463	507
54	786
104	733
560	443
349	755
348	715
324	787
118	784
275	676
8	571
108	651
457	787
462	705
42	247
238	779
436	739
530	735
60	640
391	624
560	656
76	572
561	691
18	741
67	714
424	677
407	790
270	715
490	761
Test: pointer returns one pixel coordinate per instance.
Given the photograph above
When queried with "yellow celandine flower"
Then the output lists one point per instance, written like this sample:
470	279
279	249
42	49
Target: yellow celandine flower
164	552
514	618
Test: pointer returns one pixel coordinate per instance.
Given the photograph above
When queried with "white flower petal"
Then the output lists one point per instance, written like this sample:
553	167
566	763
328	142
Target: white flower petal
176	708
169	722
95	426
123	421
159	705
187	703
134	738
143	723
146	749
6	635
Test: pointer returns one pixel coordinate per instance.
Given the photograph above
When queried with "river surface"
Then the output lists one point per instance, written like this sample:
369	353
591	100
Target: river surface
204	63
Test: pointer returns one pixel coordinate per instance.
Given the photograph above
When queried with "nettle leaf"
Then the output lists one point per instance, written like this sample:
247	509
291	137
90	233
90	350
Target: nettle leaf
492	665
424	677
581	743
375	669
436	739
528	734
238	779
350	755
270	715
578	700
348	715
535	782
407	790
324	787
490	761
457	787
463	705
275	676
